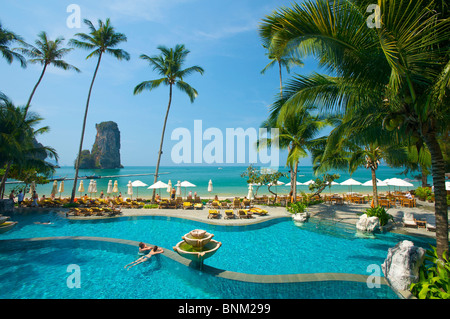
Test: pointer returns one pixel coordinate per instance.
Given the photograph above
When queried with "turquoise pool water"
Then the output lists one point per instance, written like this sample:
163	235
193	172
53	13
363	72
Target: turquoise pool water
270	248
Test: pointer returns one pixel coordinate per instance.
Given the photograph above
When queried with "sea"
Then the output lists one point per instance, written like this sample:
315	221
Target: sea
226	180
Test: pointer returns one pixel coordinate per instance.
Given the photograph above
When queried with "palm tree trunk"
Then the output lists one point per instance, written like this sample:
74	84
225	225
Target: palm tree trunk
374	186
34	90
440	194
281	80
162	141
83	129
294	182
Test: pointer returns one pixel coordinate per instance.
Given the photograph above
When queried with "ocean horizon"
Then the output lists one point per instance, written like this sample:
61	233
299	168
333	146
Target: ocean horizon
226	180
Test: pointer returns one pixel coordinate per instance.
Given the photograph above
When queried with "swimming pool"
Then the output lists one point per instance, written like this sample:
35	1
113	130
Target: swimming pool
275	247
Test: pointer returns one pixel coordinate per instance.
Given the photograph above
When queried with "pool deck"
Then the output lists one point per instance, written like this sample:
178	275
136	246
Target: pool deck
347	213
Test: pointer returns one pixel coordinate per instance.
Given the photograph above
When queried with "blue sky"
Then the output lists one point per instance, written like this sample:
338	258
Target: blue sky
221	35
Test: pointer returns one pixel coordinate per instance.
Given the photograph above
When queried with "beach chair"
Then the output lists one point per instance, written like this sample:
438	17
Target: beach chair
246	203
242	213
224	205
409	220
179	202
236	203
173	204
229	214
213	213
188	205
384	203
258	211
215	205
431	223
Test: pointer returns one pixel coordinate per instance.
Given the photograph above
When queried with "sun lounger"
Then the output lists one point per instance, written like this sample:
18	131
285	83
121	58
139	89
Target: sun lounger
258	211
244	213
431	223
224	205
187	205
236	204
215	205
229	214
213	213
409	220
198	205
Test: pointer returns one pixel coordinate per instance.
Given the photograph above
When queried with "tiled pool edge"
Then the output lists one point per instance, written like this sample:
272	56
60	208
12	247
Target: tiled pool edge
230	275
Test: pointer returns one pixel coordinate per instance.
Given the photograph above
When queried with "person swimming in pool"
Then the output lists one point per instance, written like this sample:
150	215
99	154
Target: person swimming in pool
144	248
155	250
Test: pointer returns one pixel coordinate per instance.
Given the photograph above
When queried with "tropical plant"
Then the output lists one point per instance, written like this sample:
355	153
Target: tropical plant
101	40
381	213
434	277
296	133
422	192
169	65
18	147
296	207
6	39
46	52
321	183
403	65
282	56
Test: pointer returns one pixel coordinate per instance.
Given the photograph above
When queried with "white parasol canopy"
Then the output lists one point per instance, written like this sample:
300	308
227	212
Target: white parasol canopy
109	190
130	189
178	185
54	188
94	187
296	183
350	182
116	187
250	191
81	187
138	184
397	182
210	186
158	185
379	183
309	182
61	188
169	186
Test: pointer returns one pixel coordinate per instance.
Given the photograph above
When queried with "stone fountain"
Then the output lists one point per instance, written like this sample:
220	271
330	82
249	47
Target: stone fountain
197	245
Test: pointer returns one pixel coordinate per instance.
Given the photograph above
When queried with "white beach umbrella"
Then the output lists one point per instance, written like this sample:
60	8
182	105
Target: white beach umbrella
350	182
331	184
379	183
250	191
186	184
169	186
130	189
109	190
94	187
210	186
81	187
159	185
54	187
309	182
296	183
116	187
32	187
90	187
178	185
447	186
61	188
138	184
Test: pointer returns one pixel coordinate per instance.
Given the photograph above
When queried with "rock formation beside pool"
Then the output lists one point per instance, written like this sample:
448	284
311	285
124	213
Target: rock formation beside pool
402	264
105	152
367	224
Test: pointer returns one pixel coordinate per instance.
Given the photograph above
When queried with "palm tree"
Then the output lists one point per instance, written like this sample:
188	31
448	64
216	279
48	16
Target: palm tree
403	65
297	132
284	58
46	52
169	65
101	40
17	141
6	39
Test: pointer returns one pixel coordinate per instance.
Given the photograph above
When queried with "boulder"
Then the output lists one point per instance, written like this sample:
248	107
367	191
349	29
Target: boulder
401	267
367	224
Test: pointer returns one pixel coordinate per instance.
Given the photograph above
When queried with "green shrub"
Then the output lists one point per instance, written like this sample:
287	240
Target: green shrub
70	205
151	206
296	207
381	213
434	277
423	192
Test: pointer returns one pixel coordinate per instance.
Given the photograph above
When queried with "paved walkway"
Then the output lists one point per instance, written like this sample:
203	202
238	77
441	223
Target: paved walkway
347	213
